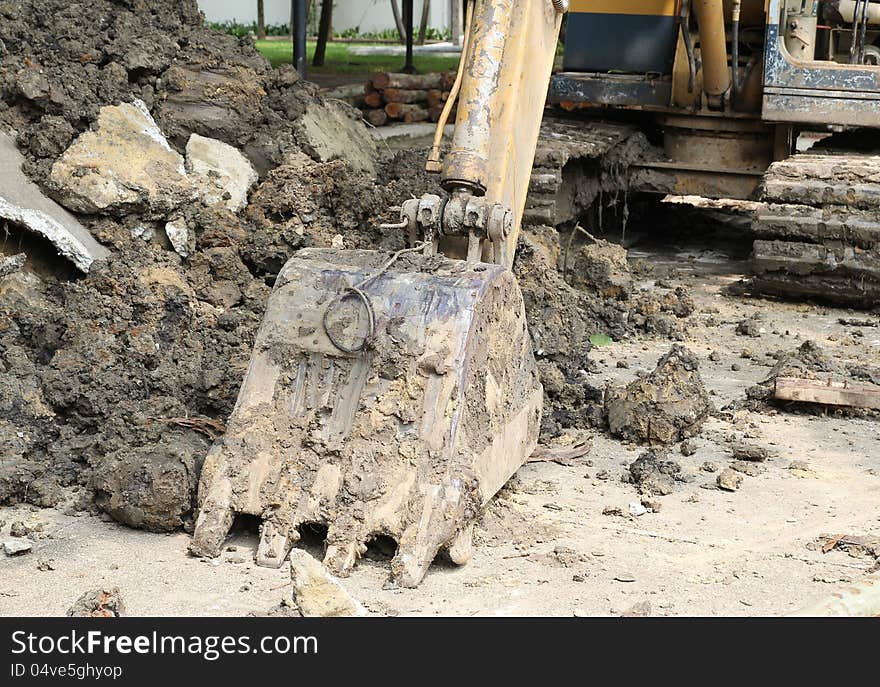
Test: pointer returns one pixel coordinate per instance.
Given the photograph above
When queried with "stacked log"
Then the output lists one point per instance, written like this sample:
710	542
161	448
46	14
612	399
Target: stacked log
390	97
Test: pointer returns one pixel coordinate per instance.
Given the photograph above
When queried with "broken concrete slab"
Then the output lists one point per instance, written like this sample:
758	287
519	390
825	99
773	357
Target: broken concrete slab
16	547
22	202
125	164
316	592
220	172
332	131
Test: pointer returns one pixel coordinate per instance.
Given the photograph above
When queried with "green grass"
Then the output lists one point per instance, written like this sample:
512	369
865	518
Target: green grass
339	59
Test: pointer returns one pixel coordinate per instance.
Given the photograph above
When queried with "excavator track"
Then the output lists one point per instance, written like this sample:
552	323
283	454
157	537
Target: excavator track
576	160
818	228
816	221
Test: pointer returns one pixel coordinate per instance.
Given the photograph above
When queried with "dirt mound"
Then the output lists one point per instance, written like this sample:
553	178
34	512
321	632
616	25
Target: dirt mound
811	361
114	384
62	60
654	474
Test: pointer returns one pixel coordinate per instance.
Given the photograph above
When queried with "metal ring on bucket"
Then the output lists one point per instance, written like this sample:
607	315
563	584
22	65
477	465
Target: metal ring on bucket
371	319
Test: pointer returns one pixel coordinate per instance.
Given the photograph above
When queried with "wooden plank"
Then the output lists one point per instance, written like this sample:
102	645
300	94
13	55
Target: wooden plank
828	392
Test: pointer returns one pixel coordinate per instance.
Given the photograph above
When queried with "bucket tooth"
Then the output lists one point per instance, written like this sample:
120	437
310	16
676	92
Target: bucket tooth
275	544
398	410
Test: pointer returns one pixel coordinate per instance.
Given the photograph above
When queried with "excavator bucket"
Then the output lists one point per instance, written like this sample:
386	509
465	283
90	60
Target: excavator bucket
381	400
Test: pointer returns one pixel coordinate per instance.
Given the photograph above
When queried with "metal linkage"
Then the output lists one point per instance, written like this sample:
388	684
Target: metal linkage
462	214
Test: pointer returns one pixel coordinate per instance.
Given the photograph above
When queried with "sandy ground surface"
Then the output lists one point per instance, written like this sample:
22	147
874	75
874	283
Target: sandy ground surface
544	546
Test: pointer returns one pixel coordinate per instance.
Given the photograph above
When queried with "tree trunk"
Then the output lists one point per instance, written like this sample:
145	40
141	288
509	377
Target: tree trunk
423	27
324	27
261	19
398	20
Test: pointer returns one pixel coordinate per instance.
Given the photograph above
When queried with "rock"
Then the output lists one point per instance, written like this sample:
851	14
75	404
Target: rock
46	565
19	529
636	509
23	203
746	468
98	603
664	406
220	172
316	592
752	326
729	480
750	452
124	165
177	232
332	131
17	547
709	466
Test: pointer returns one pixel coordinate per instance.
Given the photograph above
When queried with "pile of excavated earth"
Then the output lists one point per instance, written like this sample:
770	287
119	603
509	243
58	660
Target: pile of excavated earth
156	175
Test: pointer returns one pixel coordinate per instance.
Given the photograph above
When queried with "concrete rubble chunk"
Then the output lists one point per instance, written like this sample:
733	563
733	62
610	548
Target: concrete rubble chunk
327	131
125	164
23	203
220	172
16	547
178	233
316	592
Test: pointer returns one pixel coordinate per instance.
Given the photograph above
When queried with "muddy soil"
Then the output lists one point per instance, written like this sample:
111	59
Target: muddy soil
564	539
114	384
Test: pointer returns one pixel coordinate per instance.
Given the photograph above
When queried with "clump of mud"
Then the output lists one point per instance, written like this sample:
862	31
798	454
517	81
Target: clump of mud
666	405
654	474
98	603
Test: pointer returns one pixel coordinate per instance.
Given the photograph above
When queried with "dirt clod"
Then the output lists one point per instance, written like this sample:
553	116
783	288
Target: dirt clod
654	474
98	603
729	480
667	405
751	452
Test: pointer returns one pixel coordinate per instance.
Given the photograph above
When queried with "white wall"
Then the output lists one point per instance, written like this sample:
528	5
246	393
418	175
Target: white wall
369	15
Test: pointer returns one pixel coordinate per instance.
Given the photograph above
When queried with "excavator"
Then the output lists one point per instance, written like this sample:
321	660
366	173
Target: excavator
392	395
